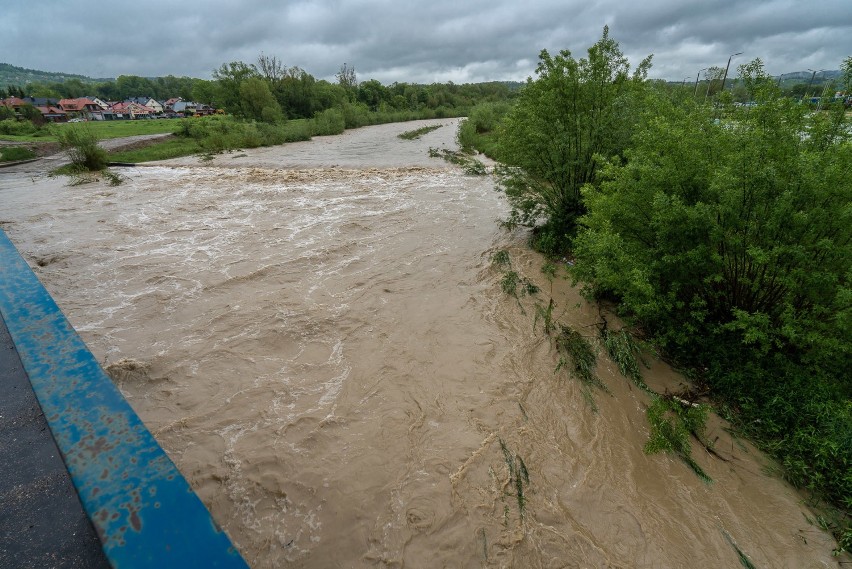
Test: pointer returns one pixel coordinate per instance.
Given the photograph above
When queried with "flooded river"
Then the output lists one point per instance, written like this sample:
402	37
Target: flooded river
317	337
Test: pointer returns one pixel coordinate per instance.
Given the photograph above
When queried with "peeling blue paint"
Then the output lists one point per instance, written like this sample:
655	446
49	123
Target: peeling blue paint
142	508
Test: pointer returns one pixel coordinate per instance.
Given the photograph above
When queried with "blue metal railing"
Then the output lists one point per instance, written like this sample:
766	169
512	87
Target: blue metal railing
144	511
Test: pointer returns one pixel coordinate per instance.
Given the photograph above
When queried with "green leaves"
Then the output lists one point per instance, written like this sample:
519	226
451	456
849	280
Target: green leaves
672	423
81	144
573	113
727	234
748	219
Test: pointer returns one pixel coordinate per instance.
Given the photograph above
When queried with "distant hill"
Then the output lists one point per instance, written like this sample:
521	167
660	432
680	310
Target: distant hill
820	78
19	76
790	78
805	76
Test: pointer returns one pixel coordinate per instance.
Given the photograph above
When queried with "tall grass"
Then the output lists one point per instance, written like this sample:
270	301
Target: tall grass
623	350
673	422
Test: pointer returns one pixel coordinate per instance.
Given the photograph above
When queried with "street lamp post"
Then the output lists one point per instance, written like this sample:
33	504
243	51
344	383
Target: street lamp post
726	69
697	75
709	84
811	82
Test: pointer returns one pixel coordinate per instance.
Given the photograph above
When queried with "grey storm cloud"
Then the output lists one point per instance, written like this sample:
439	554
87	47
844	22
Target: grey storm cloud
441	40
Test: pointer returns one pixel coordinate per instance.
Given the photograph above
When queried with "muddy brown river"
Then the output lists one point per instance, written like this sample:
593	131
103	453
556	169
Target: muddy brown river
316	335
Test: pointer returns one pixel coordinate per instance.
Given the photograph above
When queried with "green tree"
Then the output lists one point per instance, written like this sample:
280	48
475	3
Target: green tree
42	90
296	93
573	113
712	81
846	78
32	114
203	92
738	230
730	241
347	79
271	69
228	77
127	86
372	93
327	95
797	90
257	101
73	88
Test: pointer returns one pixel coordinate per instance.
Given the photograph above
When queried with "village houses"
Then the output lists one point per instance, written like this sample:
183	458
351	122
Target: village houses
94	109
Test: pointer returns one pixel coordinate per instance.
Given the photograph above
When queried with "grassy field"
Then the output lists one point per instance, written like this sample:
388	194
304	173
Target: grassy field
15	153
102	129
172	148
214	135
118	129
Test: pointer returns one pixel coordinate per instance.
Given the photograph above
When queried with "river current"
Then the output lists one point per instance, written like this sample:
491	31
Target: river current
317	336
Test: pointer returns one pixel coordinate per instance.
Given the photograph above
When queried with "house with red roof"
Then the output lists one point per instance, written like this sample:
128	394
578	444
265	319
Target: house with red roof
169	105
47	107
132	111
82	108
52	113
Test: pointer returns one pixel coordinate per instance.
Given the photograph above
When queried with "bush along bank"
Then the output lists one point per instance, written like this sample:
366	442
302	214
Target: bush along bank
723	232
730	242
89	160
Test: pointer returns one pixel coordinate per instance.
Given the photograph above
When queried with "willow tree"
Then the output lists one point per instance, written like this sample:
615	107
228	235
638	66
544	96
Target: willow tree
727	233
738	230
572	113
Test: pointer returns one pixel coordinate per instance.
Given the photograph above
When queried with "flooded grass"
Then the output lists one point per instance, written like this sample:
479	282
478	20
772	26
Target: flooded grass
519	476
744	560
417	133
673	423
623	350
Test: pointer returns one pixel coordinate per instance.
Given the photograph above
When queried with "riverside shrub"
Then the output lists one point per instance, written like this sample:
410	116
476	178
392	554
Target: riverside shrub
81	144
575	112
727	234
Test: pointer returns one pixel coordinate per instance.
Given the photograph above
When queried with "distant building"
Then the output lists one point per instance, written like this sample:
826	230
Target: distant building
152	104
83	108
132	111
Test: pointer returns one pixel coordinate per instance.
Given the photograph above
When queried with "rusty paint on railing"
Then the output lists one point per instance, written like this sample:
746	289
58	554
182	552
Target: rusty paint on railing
143	509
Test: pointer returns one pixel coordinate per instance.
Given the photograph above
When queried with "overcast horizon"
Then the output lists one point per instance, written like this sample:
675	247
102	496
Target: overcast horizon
439	41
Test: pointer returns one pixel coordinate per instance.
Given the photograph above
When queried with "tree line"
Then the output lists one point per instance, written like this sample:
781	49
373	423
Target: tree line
286	92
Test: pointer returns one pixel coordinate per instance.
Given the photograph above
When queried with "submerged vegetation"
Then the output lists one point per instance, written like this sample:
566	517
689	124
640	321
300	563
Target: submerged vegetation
89	160
623	350
519	476
470	165
673	422
723	231
417	133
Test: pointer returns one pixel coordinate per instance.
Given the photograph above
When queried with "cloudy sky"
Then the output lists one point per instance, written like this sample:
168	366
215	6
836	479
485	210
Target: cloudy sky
424	41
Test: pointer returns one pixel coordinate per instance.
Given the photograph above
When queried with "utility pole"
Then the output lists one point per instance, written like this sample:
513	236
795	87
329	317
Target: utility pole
811	82
726	69
696	81
709	83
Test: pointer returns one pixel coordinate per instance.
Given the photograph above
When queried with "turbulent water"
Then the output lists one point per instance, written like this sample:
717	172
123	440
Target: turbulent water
316	335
